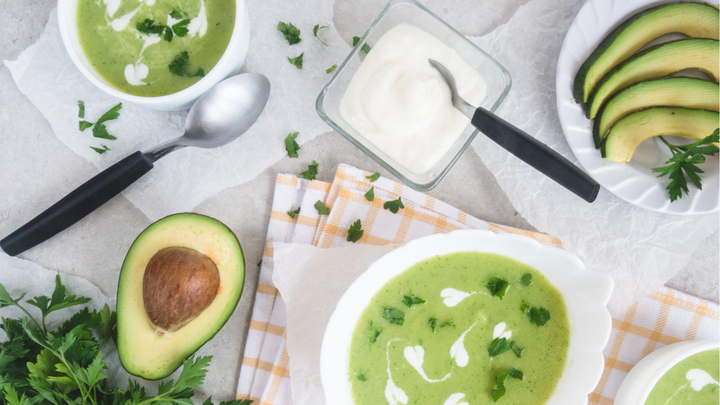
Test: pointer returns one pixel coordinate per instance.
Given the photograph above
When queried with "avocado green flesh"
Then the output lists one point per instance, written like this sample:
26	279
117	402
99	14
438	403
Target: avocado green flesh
476	317
670	92
655	62
628	133
141	350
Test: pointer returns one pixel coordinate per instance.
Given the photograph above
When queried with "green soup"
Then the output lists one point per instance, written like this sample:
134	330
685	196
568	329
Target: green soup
134	54
693	381
437	351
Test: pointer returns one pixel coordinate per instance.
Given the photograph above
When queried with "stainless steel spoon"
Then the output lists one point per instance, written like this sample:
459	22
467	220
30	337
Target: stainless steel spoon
220	116
522	145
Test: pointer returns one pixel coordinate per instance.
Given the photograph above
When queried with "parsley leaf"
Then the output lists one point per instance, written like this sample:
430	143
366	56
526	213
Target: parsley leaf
524	306
498	287
81	109
290	32
373	178
311	172
370	195
686	158
362	377
57	301
394	205
100	150
179	64
516	349
99	130
375	333
365	48
539	316
293	213
355	232
291	146
499	391
393	315
200	72
167	34
410	301
526	279
321	208
501	345
177	14
317	28
148	27
297	62
180	28
331	69
434	325
83	125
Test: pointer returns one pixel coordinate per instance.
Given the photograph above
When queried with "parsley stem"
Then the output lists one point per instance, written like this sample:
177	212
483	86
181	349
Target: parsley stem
673	148
31	317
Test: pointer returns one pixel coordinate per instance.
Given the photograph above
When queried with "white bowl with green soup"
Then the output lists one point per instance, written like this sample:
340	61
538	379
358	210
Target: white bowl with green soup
163	54
470	317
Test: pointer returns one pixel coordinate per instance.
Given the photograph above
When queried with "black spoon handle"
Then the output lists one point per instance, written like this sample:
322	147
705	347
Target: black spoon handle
79	203
536	154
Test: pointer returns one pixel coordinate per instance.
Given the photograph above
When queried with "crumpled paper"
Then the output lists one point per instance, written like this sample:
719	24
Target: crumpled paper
183	179
639	248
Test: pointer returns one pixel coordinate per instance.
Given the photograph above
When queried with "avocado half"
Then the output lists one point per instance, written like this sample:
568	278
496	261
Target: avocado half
152	352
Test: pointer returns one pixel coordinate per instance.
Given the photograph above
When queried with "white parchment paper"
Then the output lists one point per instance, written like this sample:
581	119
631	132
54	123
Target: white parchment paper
641	249
183	179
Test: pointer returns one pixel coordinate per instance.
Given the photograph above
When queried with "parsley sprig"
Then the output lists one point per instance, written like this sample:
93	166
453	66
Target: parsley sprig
498	287
500	390
290	32
394	206
684	161
298	61
311	172
291	145
501	345
355	232
316	29
99	129
394	315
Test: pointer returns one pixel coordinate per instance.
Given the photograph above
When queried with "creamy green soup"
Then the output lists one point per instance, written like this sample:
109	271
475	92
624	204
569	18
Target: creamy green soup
693	381
154	47
426	337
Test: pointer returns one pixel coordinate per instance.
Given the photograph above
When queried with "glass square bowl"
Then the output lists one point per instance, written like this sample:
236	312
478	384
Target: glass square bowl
410	12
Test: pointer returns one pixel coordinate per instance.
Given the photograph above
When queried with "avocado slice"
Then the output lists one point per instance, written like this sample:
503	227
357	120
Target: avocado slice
696	20
186	252
625	136
654	62
683	92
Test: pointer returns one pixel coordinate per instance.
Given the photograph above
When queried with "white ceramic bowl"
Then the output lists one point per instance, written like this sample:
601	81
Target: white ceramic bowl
638	384
228	65
585	291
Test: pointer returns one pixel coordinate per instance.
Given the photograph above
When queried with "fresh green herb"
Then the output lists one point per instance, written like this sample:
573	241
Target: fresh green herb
83	125
100	150
501	345
374	333
526	279
148	27
99	130
168	34
365	48
331	69
317	28
393	315
260	263
516	349
362	377
291	146
297	62
498	287
370	195
539	316
179	65
355	232
290	32
434	325
524	306
81	109
177	14
686	158
180	28
294	212
447	323
499	391
200	72
394	205
373	178
321	208
410	301
311	172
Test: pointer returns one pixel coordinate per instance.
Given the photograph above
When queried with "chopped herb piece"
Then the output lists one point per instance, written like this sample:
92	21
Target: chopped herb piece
311	172
180	28
200	72
317	28
290	32
370	195
516	349
365	48
147	27
447	323
168	34
362	377
355	232
321	208
294	212
375	337
498	346
394	205
81	109
410	301
99	130
177	14
539	316
526	279
179	64
498	287
499	391
433	324
373	178
297	62
331	69
356	40
393	315
84	125
100	150
524	306
291	146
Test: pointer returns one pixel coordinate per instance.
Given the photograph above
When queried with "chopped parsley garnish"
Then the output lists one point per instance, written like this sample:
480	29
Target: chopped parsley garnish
526	279
311	172
331	69
370	195
499	391
179	65
374	333
501	345
83	125
410	301
686	158
539	316
393	315
99	130
148	27
524	306
362	377
365	48
498	287
81	109
394	205
321	208
291	146
373	177
434	325
355	232
317	28
516	349
290	32
177	14
180	28
294	212
297	62
100	150
200	72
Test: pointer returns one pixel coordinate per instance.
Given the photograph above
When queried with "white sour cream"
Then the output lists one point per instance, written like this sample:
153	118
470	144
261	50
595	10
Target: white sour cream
458	351
198	25
501	332
455	399
415	355
134	74
393	393
401	104
699	378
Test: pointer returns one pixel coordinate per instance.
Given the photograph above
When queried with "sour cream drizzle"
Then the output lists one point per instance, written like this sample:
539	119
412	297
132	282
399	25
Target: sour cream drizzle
452	297
454	399
500	332
119	24
393	394
458	352
198	25
699	378
415	355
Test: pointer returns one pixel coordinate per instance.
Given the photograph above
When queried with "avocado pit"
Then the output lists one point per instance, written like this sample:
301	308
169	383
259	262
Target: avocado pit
178	284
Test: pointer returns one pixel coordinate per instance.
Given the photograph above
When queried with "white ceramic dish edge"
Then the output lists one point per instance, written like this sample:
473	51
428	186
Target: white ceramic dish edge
228	65
586	293
633	181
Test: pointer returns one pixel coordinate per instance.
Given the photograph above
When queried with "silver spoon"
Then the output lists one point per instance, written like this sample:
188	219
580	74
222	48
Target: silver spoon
522	145
220	116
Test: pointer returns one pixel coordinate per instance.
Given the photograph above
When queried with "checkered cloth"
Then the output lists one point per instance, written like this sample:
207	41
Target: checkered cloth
264	375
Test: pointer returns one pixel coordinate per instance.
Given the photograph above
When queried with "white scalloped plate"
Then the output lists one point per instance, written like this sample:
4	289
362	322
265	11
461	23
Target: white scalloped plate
633	181
585	291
